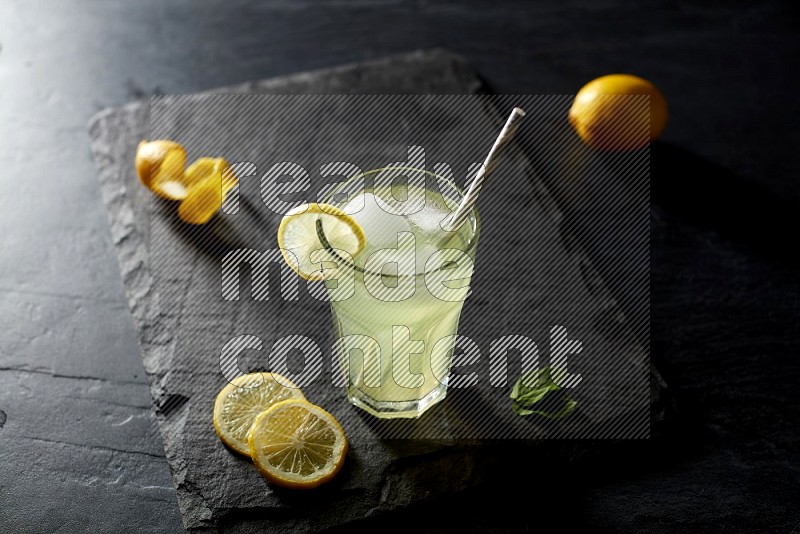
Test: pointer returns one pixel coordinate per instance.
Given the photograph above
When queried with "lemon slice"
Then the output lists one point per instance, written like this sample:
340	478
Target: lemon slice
298	237
159	165
296	444
239	403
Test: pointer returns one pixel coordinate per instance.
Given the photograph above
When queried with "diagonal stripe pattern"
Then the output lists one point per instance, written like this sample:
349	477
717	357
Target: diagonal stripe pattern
227	304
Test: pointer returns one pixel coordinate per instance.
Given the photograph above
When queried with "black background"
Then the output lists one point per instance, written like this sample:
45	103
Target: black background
724	295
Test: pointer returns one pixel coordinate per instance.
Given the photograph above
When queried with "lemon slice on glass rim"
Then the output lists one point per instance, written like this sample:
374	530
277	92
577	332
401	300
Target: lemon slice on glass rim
297	444
238	404
299	237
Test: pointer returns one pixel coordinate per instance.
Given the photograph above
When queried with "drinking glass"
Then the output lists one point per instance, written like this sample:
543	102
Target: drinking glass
394	345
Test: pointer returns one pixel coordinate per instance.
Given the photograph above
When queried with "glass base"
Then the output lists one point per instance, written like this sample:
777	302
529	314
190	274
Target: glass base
396	410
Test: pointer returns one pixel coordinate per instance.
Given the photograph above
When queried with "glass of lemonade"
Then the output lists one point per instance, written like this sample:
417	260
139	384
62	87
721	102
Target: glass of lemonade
397	330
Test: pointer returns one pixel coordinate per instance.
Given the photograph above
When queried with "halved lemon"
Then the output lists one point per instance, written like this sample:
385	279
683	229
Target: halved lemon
239	403
203	168
205	182
298	237
297	444
159	165
204	200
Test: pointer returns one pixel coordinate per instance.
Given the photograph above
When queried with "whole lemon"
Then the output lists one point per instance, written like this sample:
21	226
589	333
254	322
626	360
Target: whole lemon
605	120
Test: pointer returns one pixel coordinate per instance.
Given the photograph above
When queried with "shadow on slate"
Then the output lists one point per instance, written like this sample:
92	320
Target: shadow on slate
217	489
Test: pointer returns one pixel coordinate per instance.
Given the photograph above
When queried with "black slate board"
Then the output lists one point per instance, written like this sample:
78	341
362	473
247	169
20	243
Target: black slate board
215	488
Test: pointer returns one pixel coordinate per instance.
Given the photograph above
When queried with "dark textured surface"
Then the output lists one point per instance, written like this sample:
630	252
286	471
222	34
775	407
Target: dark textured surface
172	275
724	293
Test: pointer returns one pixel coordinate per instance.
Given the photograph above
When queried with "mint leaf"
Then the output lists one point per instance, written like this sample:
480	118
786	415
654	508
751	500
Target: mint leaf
532	387
569	406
